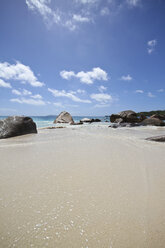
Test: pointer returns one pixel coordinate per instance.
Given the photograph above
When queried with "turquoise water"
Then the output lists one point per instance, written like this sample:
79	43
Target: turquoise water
47	121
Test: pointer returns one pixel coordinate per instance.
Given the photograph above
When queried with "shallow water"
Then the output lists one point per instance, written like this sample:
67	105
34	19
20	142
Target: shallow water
84	187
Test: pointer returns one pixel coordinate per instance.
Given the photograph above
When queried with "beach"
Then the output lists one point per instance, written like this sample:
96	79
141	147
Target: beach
83	187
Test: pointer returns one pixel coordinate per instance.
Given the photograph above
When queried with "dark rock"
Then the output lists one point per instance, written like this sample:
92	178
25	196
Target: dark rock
76	123
64	117
118	120
152	122
124	124
160	117
113	117
157	138
87	120
95	120
114	125
52	127
16	125
142	117
126	116
126	113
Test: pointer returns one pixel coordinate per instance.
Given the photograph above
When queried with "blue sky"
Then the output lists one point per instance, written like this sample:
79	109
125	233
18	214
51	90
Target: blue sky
89	57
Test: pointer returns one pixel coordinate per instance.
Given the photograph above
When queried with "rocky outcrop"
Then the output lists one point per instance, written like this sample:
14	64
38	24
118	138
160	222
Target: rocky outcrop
157	138
64	117
128	116
158	116
142	117
152	122
87	120
16	125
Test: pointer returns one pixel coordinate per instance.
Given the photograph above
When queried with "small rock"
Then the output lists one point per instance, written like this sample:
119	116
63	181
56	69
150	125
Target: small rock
157	138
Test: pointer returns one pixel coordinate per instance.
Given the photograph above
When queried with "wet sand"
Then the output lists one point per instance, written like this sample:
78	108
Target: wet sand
85	187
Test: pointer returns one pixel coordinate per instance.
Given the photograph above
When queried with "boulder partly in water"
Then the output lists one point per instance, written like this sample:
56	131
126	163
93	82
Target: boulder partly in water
16	125
64	117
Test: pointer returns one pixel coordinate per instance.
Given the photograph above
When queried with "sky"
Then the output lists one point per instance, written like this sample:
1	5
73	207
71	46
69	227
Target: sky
88	57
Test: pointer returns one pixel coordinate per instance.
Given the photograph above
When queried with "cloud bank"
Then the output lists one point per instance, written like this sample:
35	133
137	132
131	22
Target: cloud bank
19	72
86	77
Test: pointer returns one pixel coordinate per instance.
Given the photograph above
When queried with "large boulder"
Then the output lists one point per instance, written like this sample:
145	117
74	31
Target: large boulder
152	122
64	117
157	138
114	117
16	125
160	117
128	116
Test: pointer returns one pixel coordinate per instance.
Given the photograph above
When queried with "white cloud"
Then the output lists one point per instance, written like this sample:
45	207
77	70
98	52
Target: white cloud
51	16
63	93
86	77
79	18
81	91
151	46
26	92
16	92
160	90
104	11
20	73
102	88
37	96
139	91
150	95
28	101
4	84
67	74
152	43
126	78
102	97
44	10
87	1
133	3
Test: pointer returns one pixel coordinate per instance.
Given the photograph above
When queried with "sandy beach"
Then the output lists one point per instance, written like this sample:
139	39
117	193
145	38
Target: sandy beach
83	187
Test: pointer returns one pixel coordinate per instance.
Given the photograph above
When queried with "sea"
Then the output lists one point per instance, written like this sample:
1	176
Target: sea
47	121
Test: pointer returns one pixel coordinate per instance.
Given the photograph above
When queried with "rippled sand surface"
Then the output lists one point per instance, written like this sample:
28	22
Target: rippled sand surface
86	187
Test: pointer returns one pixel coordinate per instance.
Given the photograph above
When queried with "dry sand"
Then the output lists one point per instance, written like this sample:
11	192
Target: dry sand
87	187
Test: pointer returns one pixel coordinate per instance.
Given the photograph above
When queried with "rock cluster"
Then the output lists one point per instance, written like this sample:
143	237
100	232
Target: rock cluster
16	125
87	120
65	117
130	118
